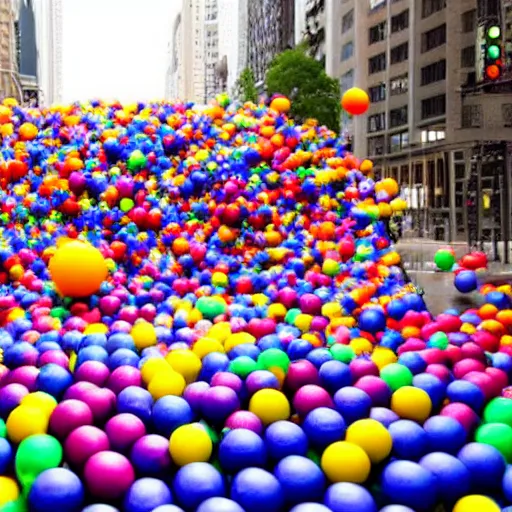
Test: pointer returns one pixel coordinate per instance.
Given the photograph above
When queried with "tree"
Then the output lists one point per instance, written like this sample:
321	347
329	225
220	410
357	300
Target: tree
313	93
246	86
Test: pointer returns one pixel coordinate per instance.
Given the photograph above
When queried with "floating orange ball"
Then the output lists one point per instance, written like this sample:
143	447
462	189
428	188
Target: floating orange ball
281	104
355	101
28	131
77	269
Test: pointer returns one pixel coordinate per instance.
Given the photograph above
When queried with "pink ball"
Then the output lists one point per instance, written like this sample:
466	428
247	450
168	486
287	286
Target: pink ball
24	375
412	345
440	371
245	419
463	414
466	366
83	443
301	373
102	401
486	341
342	335
499	378
310	304
229	380
319	323
311	397
453	353
433	356
110	304
485	382
108	475
472	351
449	323
94	372
361	367
123	377
123	430
428	330
57	357
69	415
287	297
376	388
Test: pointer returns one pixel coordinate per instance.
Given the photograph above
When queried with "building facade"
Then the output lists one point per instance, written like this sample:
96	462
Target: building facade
9	80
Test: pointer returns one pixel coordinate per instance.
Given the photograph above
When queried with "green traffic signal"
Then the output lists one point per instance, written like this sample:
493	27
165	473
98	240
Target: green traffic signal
494	32
493	52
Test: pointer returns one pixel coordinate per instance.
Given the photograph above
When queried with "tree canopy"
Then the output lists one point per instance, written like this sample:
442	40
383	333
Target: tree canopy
246	86
313	93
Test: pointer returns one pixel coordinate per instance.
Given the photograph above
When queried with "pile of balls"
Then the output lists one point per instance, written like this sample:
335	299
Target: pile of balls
201	310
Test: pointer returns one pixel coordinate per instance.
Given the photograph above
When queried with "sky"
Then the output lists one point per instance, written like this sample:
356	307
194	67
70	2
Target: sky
116	49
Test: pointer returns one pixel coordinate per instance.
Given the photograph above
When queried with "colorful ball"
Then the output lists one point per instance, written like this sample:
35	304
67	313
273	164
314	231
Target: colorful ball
411	403
269	405
255	489
476	502
355	101
346	497
146	494
241	449
190	443
372	437
284	438
345	462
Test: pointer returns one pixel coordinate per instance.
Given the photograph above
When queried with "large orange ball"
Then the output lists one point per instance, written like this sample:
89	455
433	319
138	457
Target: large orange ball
355	101
28	131
77	269
281	104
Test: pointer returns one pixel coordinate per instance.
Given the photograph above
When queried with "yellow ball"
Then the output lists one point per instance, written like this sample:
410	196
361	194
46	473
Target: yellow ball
383	356
411	403
185	362
372	437
151	367
166	382
270	405
476	503
96	329
331	310
303	322
40	400
204	346
25	421
331	267
190	443
220	279
8	490
239	338
276	311
144	335
345	462
361	346
220	332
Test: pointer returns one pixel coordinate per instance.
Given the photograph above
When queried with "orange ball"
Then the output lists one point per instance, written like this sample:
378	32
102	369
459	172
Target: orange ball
505	317
487	312
366	166
28	131
180	246
355	101
281	104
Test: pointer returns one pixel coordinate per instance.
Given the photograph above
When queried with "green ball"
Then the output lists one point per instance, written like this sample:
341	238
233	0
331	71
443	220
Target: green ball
3	428
439	340
210	308
274	358
444	260
126	204
499	410
291	315
498	435
243	366
342	353
396	376
136	160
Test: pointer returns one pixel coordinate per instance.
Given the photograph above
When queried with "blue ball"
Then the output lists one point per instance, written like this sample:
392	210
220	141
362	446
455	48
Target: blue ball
319	356
433	386
54	380
301	479
100	507
324	426
6	456
396	309
168	508
498	299
503	362
466	281
445	434
413	361
467	393
255	489
453	480
171	412
310	507
92	353
486	466
396	508
146	494
245	349
219	505
383	415
284	438
123	357
298	349
507	484
352	403
410	441
56	489
349	497
120	340
334	375
137	401
242	448
407	483
372	320
414	301
213	363
196	482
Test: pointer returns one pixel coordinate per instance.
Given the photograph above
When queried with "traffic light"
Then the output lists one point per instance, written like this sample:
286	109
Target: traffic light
493	52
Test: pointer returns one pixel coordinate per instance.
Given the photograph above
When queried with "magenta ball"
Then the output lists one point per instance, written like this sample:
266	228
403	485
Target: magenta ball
245	419
123	430
101	401
94	372
123	377
57	357
24	375
194	393
310	304
463	414
10	398
229	380
83	443
466	366
69	415
108	475
471	350
440	371
311	397
484	381
300	373
362	367
376	388
150	455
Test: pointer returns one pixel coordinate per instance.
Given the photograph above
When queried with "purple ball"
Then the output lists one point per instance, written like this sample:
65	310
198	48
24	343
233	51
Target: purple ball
362	367
83	443
94	372
123	377
26	376
57	357
69	415
123	430
311	397
146	494
261	379
376	388
194	394
10	398
245	419
228	380
383	415
150	455
219	402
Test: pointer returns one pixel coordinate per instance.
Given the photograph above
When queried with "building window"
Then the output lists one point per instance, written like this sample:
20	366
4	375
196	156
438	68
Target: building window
347	81
347	51
433	107
347	22
377	122
399	85
468	19
377	33
433	38
376	145
506	111
377	63
430	135
431	6
467	57
434	72
471	116
400	53
400	21
398	116
398	142
377	93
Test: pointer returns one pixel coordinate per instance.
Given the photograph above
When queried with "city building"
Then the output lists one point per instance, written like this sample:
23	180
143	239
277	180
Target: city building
300	20
315	27
432	124
9	80
174	85
26	52
229	50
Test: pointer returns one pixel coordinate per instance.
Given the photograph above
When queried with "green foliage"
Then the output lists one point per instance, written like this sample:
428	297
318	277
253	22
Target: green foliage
247	86
312	92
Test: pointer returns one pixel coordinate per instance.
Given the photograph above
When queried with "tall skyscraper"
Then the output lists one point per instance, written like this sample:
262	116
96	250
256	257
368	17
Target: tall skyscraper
9	81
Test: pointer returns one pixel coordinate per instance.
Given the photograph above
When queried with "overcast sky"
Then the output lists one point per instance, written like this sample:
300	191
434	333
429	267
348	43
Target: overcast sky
116	49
